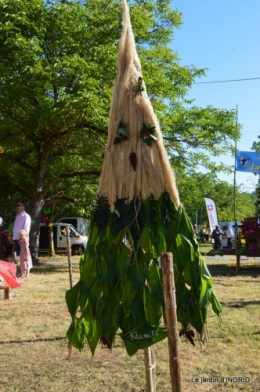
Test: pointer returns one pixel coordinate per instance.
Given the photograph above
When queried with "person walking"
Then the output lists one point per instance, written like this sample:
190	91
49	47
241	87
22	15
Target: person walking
22	222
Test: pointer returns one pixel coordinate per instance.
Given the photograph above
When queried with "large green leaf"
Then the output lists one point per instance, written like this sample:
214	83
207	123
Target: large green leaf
93	333
137	270
76	334
147	242
107	323
71	297
142	337
155	282
153	310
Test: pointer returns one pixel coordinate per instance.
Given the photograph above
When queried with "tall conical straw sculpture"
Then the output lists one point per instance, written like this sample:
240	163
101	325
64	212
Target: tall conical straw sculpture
138	215
131	107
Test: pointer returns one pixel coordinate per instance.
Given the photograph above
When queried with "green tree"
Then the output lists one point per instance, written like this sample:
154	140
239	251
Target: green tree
57	68
54	99
195	187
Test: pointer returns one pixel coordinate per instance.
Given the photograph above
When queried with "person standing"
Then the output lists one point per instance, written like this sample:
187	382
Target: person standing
229	234
195	229
22	222
25	255
216	235
205	233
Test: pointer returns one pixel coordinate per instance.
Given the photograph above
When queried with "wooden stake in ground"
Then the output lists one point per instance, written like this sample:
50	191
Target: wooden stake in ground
153	365
51	243
70	273
69	253
149	370
171	321
6	291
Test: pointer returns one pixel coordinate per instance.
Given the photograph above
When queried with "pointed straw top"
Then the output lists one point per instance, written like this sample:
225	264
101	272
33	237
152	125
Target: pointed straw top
136	162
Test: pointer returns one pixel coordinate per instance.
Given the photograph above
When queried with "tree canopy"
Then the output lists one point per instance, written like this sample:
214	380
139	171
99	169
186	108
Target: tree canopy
205	185
57	69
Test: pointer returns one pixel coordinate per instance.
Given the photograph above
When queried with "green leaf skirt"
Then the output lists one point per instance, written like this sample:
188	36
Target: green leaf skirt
120	288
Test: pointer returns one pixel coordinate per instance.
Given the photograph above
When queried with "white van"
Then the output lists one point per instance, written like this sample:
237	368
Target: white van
78	242
80	224
231	224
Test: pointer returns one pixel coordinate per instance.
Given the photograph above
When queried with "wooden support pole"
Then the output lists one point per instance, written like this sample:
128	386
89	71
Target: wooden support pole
171	321
153	365
237	248
238	263
6	291
70	274
149	370
51	242
69	254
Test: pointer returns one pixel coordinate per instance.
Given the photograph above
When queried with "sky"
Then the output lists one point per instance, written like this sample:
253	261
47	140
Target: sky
224	37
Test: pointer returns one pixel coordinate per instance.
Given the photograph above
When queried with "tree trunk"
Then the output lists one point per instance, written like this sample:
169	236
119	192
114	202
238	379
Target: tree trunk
37	203
35	228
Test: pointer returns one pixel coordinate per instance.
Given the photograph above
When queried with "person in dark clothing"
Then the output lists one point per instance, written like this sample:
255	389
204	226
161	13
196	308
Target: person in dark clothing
216	235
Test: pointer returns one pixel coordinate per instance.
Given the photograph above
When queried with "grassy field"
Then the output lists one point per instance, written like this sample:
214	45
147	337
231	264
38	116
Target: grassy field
34	350
205	248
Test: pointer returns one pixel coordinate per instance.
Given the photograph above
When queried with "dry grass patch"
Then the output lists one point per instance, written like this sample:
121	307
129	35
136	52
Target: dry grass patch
34	346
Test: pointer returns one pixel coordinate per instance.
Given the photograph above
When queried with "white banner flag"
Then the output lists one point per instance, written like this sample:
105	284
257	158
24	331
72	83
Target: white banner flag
212	213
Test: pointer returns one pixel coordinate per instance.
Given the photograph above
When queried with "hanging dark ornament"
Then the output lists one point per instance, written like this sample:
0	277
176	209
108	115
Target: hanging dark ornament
119	218
121	134
133	160
105	342
140	86
44	219
189	335
101	212
146	133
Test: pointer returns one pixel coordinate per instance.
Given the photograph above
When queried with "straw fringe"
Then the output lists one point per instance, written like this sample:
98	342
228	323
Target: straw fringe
139	176
107	183
145	188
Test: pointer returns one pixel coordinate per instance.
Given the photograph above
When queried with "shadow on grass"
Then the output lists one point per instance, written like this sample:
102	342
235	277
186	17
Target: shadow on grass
34	340
41	268
215	270
231	270
240	304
